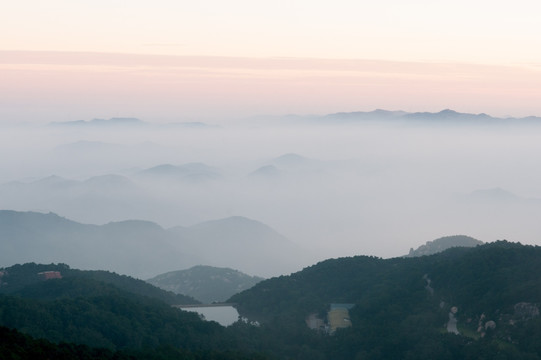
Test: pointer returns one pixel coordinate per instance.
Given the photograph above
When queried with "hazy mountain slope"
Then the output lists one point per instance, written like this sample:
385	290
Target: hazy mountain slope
97	199
290	170
265	172
84	147
494	195
238	242
292	161
143	249
108	182
137	248
194	172
116	122
205	283
444	243
450	115
447	116
378	114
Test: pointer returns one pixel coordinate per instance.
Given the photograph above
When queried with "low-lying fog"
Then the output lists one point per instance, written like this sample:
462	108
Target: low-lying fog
338	190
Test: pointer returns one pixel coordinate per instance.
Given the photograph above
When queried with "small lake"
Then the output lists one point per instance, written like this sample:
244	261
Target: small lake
224	315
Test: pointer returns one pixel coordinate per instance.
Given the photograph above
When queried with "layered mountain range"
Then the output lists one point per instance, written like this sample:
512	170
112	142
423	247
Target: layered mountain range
144	249
445	116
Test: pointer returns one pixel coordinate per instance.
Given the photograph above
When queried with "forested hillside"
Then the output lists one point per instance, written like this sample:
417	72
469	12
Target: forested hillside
402	306
15	345
16	278
463	303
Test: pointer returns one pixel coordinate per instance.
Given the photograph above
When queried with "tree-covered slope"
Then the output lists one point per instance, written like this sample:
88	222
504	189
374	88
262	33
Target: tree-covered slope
17	346
17	277
402	306
85	309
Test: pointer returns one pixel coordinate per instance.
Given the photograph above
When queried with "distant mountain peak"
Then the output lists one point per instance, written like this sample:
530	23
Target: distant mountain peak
496	193
115	121
235	221
120	120
245	244
137	224
448	111
86	145
266	171
205	283
439	116
290	156
161	168
109	179
52	179
192	172
444	243
293	161
497	197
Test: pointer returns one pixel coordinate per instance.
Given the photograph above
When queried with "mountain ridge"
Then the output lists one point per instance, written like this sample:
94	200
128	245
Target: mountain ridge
446	115
205	283
115	121
143	248
442	244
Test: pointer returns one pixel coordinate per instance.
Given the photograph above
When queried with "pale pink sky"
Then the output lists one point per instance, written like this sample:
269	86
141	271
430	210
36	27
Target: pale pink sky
49	86
170	60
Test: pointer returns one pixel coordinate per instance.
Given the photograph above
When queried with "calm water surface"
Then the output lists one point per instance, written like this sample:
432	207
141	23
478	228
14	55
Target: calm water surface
224	315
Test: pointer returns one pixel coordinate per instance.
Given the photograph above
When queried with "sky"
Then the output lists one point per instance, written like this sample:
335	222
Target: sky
178	60
223	61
